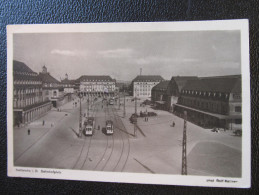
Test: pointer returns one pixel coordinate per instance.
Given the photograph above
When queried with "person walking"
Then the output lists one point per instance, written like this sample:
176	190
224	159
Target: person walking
43	123
29	131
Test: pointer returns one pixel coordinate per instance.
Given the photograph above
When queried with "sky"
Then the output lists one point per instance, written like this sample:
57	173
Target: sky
122	54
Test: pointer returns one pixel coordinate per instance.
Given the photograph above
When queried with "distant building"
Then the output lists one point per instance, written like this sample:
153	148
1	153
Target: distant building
143	84
96	85
174	89
28	102
68	85
52	88
212	102
158	94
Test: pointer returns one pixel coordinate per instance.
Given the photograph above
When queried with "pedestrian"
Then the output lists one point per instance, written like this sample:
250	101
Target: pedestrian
173	123
29	131
43	123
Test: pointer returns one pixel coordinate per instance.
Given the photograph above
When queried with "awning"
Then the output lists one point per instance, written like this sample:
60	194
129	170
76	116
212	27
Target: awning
219	116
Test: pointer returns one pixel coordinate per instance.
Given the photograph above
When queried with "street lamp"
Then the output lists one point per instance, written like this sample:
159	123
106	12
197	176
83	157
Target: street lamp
80	115
136	118
124	109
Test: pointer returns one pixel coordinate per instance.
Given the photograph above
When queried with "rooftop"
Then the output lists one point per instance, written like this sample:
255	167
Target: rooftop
182	80
21	67
215	84
47	78
161	86
95	78
141	78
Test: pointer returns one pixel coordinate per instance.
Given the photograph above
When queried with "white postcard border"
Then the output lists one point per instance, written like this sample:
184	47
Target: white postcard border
30	172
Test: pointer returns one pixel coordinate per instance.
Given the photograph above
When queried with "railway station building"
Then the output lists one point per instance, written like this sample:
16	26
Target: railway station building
212	102
28	101
143	84
173	91
94	85
158	94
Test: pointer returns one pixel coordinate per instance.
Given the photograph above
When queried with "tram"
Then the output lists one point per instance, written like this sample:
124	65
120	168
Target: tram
111	101
89	126
109	127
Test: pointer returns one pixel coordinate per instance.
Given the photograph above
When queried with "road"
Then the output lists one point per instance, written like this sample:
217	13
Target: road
61	148
157	149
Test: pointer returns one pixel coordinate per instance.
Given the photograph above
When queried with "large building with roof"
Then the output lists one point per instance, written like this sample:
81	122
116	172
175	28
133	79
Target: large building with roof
68	85
158	94
212	102
93	85
174	89
28	102
52	88
143	84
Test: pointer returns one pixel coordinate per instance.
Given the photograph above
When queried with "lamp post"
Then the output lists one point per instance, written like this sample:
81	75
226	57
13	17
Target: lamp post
80	115
136	118
124	109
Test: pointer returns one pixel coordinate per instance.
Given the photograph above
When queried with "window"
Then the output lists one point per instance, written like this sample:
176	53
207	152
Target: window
55	93
238	121
238	109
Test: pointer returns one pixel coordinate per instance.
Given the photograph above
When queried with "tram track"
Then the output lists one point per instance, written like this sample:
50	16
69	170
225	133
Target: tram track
107	144
88	148
109	156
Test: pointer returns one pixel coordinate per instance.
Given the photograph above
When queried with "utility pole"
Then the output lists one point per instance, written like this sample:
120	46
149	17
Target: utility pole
136	118
119	101
88	103
184	157
80	116
124	109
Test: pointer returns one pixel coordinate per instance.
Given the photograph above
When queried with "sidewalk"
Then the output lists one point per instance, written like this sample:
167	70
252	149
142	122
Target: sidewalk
22	141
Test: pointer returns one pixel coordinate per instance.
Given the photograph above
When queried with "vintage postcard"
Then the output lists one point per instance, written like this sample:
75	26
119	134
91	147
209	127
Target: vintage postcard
153	102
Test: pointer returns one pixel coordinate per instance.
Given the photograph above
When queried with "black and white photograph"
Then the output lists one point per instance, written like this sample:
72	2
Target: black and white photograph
156	103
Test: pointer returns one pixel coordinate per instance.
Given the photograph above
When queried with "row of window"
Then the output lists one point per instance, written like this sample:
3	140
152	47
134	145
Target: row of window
204	93
26	91
26	73
52	85
143	83
214	107
26	82
98	83
18	103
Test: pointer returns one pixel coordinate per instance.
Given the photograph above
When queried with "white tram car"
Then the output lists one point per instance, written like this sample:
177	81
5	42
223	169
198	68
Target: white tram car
89	126
109	127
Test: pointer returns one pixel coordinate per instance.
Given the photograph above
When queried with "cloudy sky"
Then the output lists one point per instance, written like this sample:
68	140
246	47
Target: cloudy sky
121	55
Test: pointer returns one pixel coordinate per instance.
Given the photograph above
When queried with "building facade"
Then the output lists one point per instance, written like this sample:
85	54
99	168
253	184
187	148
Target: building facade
143	84
212	102
174	89
96	85
28	101
68	85
158	94
52	88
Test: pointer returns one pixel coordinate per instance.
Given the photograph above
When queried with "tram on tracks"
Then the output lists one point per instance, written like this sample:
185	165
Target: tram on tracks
111	101
109	127
89	126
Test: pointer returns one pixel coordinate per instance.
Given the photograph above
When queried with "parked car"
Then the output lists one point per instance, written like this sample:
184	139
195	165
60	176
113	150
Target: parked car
215	130
146	102
238	132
